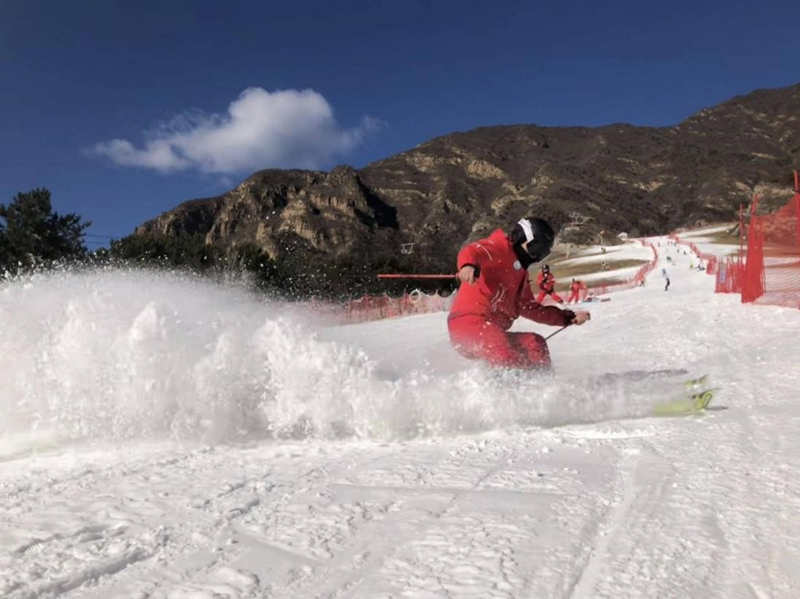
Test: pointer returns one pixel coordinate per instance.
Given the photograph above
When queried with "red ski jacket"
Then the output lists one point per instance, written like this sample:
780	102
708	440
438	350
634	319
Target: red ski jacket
546	282
577	286
502	291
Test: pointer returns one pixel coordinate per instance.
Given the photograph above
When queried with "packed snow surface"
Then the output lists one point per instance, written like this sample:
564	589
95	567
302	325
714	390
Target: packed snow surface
165	437
628	250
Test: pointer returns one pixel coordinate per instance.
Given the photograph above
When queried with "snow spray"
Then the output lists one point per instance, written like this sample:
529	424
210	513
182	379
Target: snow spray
118	354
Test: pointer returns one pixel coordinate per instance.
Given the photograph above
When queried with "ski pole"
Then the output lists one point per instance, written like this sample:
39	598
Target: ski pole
403	276
556	333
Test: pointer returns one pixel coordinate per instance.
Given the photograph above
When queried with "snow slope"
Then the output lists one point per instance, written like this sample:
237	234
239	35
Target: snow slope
163	437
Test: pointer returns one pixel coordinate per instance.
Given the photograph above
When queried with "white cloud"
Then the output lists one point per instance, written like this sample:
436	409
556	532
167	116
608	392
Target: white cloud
281	129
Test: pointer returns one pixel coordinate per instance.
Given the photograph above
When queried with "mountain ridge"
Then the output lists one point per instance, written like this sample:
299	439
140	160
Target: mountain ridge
591	182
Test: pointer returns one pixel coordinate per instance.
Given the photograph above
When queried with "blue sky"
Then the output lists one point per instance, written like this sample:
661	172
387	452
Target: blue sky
125	109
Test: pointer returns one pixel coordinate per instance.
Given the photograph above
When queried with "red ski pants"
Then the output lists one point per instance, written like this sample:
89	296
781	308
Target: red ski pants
476	338
574	296
552	294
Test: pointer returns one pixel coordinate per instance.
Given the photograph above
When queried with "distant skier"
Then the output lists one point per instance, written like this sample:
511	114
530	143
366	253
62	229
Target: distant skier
495	290
666	278
576	290
547	283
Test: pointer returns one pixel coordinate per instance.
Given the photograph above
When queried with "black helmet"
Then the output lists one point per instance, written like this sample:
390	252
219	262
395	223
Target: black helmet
545	268
537	233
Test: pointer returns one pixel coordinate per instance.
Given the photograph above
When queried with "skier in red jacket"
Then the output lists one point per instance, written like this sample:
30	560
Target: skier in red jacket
547	283
495	291
576	289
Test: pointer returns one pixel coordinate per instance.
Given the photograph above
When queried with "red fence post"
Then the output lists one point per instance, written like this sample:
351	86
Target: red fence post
797	205
753	284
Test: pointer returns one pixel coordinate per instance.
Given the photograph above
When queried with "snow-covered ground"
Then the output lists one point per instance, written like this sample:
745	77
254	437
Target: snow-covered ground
162	437
627	250
619	274
704	240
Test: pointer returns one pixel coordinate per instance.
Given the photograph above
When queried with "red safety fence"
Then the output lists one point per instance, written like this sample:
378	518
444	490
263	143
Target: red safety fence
378	307
730	270
772	269
730	274
769	270
382	306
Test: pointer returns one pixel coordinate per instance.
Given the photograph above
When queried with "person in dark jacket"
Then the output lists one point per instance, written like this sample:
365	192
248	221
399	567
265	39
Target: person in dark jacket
495	290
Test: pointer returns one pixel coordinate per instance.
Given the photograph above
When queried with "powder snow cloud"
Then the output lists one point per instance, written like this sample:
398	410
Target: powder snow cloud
261	129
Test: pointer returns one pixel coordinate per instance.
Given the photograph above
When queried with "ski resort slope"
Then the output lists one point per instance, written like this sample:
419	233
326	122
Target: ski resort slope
165	440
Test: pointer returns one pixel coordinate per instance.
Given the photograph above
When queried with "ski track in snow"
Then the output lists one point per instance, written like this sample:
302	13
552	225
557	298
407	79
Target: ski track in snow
606	506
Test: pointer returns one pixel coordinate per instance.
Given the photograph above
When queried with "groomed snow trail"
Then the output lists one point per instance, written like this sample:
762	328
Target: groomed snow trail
413	473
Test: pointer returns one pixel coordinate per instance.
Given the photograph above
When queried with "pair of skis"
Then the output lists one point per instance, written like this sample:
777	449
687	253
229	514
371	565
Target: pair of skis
693	397
698	396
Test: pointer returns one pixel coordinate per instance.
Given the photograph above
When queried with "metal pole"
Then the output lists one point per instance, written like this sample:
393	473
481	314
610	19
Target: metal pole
556	333
403	276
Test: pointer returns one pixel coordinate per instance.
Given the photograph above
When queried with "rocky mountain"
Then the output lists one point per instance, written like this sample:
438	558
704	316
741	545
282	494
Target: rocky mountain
592	183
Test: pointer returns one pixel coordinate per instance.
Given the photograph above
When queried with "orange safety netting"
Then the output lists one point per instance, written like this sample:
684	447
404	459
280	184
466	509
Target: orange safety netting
772	266
377	307
769	270
730	274
371	307
730	271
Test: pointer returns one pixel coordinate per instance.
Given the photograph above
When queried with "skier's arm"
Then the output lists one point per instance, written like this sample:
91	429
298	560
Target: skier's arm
533	310
552	315
476	255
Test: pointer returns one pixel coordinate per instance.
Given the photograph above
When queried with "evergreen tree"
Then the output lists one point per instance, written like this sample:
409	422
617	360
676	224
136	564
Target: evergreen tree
159	250
5	252
31	233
